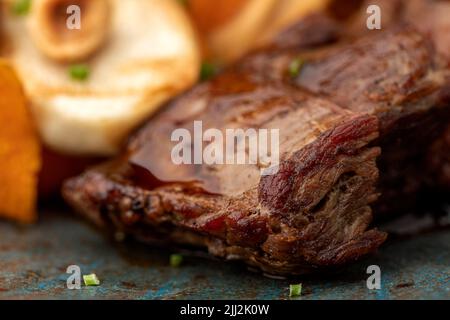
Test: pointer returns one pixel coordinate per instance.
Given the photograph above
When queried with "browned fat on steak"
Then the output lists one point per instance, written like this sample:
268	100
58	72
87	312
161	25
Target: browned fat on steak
314	213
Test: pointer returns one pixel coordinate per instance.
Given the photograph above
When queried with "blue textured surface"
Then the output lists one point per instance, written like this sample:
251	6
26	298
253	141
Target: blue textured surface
33	262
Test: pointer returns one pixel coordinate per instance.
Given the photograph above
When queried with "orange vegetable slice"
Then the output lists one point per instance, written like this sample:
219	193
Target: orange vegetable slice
19	151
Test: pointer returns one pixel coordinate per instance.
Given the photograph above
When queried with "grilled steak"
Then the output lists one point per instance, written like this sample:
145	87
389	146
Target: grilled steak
408	98
348	103
431	17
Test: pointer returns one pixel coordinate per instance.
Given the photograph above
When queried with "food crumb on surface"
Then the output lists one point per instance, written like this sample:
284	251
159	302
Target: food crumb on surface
295	290
176	260
91	280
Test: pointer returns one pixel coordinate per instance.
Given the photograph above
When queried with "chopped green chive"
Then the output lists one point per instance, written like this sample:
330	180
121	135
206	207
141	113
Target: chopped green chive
295	290
79	72
91	280
295	67
176	260
207	71
21	7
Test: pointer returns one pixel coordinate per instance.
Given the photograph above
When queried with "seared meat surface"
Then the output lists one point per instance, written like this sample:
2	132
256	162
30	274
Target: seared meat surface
431	18
408	97
348	124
